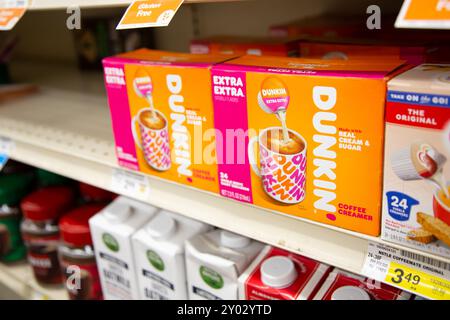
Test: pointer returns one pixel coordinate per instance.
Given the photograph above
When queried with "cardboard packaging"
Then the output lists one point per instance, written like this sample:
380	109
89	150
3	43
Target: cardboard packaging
342	285
416	201
111	231
321	26
414	52
214	262
277	274
238	46
162	115
332	114
159	255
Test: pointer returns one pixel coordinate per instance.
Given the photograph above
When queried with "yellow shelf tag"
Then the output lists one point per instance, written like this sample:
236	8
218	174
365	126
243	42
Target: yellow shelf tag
418	282
149	13
412	272
426	14
11	11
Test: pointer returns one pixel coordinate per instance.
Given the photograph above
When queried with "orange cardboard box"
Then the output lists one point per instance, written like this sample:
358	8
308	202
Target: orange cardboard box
321	26
413	51
238	46
303	137
160	105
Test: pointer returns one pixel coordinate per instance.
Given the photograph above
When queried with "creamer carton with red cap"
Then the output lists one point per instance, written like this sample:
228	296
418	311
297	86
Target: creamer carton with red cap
159	255
342	285
111	231
214	262
277	274
416	196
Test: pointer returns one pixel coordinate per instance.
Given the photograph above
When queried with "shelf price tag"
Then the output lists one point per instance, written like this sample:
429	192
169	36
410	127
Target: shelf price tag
426	14
409	271
6	145
149	13
130	184
11	11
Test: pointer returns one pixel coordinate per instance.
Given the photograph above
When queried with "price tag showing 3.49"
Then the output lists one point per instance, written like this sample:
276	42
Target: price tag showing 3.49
408	271
130	184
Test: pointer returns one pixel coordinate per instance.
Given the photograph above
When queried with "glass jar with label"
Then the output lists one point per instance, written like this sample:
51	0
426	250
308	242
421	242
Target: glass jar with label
91	194
77	257
13	188
42	210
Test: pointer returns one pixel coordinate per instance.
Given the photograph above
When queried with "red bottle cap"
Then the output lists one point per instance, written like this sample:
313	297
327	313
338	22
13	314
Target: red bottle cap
74	225
92	193
47	203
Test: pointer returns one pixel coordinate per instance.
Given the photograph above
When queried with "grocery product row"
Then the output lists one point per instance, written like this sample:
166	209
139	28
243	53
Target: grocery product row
357	144
125	249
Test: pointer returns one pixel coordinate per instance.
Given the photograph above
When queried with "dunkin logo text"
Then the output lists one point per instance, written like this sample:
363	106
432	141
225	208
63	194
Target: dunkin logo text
181	152
324	157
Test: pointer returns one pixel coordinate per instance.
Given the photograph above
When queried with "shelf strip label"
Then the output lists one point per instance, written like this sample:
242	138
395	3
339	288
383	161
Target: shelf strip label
426	14
130	184
6	146
11	11
149	13
409	271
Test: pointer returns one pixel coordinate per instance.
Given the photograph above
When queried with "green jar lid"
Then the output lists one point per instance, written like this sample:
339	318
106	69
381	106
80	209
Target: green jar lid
14	187
50	179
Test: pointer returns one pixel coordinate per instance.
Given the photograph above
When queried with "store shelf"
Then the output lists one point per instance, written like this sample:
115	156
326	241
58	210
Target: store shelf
18	277
63	4
69	132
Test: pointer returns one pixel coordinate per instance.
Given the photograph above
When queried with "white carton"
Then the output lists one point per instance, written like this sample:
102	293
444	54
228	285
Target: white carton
159	255
214	262
416	201
111	231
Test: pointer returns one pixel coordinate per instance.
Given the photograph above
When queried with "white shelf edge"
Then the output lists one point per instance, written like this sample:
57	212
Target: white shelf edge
63	4
19	278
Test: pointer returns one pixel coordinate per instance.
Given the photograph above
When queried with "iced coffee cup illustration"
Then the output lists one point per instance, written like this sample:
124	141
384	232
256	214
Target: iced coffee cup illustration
282	152
154	138
282	166
153	126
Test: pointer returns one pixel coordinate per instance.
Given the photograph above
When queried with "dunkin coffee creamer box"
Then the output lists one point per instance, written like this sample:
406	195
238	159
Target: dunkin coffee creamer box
277	274
303	137
416	197
111	231
214	262
159	255
162	115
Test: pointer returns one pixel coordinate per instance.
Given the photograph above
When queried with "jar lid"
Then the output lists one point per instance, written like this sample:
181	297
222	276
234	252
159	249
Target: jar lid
13	167
47	203
74	225
278	272
162	226
14	187
233	240
350	293
92	193
47	179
